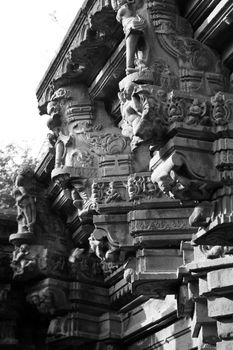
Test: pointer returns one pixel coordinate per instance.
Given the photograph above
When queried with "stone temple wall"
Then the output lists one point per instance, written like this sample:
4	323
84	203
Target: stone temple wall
124	236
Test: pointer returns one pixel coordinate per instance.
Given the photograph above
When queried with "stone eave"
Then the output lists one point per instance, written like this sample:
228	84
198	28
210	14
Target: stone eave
215	22
111	72
169	317
70	35
212	21
53	74
197	11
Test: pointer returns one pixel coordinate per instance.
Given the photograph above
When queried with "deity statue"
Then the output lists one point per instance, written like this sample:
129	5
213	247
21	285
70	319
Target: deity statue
134	27
142	115
22	260
25	195
130	111
60	141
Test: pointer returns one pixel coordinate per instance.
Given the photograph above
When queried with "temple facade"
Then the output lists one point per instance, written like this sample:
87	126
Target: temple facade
124	232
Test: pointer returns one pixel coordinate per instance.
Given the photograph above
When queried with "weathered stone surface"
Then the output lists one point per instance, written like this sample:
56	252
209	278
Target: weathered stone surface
150	311
138	164
205	266
225	329
151	275
201	319
85	327
156	227
203	286
220	307
220	281
224	345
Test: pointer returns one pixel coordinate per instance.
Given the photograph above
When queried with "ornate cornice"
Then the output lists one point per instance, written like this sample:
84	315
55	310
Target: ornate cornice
94	33
212	24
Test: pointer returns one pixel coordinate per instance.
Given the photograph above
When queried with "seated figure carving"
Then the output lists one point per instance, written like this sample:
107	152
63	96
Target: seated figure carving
142	115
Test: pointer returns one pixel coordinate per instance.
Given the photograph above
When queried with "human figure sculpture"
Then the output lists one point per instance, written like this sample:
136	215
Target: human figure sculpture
130	111
22	260
134	26
62	141
142	115
25	195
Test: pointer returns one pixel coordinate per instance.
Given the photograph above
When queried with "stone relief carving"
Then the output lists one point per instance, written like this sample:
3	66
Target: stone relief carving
175	109
188	184
202	214
106	192
24	261
216	251
25	192
142	110
85	265
221	110
54	263
36	221
102	248
147	113
107	143
106	250
43	300
203	111
134	26
142	187
48	296
83	199
197	113
59	140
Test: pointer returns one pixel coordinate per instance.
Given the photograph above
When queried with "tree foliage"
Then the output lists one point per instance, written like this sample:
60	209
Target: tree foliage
12	157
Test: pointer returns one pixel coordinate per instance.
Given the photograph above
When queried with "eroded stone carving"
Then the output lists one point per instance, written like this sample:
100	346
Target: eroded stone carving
25	192
142	112
201	216
36	221
48	296
61	141
216	251
85	265
142	187
134	27
24	261
102	248
43	301
220	110
186	184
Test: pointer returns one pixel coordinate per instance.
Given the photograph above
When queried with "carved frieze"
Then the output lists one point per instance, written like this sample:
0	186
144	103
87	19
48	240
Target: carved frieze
29	261
140	187
24	261
108	192
86	327
85	265
157	226
49	296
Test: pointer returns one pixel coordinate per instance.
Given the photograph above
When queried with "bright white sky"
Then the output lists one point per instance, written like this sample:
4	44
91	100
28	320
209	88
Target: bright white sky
31	32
